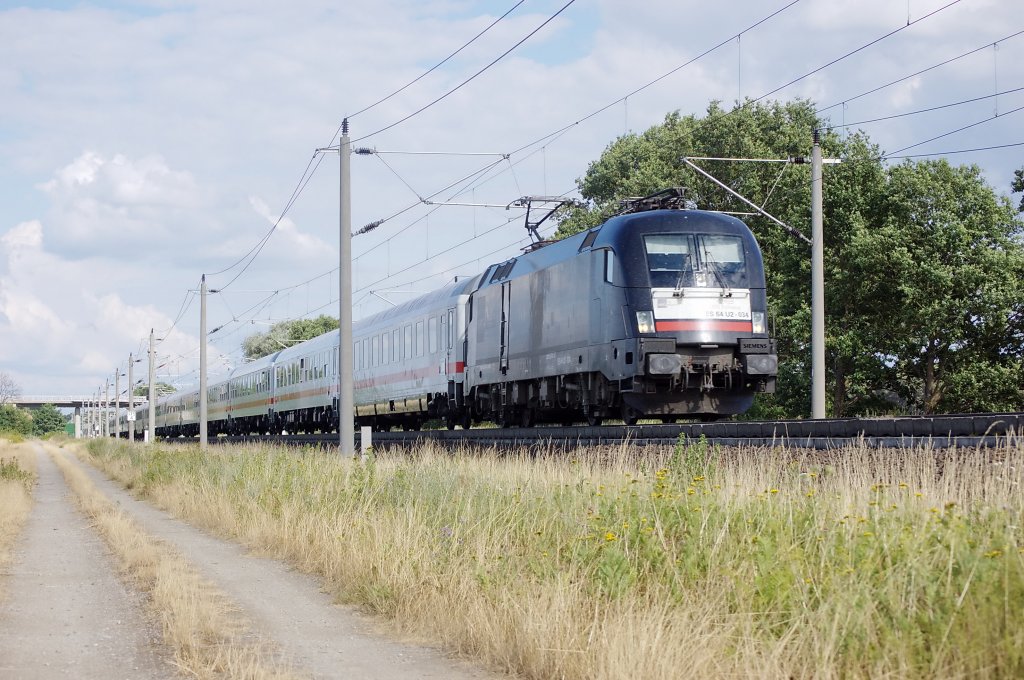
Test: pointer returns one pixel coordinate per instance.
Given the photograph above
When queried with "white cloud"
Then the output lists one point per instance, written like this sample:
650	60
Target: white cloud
27	235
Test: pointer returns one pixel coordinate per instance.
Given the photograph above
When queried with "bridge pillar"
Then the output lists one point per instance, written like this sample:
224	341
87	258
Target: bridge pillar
78	422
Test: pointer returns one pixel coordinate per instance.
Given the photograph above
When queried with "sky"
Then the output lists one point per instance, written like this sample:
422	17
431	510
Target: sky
146	143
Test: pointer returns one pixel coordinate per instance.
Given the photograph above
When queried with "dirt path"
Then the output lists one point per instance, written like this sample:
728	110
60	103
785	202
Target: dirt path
66	612
289	609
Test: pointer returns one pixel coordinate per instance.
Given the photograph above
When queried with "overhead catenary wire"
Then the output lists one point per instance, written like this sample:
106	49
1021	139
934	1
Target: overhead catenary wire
925	110
859	49
873	90
469	79
958	151
692	60
953	132
434	67
308	174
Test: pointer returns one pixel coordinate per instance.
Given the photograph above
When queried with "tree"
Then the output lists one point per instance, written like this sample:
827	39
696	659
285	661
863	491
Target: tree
1017	186
284	334
161	389
947	259
14	419
47	419
9	388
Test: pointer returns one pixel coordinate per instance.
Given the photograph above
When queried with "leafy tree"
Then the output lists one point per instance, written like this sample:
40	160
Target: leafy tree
946	257
48	419
872	364
14	419
284	334
9	388
161	389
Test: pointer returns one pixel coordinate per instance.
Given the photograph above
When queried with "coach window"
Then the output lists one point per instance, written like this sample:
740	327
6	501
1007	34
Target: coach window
396	345
419	338
609	266
432	335
408	342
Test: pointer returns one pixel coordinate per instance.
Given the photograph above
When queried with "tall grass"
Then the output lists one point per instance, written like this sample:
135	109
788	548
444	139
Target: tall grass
633	563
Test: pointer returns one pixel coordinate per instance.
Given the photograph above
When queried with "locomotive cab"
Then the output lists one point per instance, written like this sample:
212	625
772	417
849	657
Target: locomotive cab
694	293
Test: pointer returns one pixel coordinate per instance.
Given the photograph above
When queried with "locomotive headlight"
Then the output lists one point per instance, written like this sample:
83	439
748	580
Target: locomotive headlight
762	364
645	322
757	321
664	364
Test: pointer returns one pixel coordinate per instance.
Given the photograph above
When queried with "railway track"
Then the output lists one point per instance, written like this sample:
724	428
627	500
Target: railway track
948	431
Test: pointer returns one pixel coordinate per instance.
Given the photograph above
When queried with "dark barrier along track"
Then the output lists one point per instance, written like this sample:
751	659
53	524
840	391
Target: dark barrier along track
968	430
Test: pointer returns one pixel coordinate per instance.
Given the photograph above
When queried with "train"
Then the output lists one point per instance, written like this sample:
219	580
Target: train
659	312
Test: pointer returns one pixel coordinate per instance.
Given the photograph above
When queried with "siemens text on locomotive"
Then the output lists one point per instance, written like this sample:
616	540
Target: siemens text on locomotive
656	313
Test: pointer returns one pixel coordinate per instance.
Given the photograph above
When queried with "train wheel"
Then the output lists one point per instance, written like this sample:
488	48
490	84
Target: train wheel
594	420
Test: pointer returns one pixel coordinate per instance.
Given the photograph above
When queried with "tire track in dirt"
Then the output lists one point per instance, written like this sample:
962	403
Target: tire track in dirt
66	613
289	608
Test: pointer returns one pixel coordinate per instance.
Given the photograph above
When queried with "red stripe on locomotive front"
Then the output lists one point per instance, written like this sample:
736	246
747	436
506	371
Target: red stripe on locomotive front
704	325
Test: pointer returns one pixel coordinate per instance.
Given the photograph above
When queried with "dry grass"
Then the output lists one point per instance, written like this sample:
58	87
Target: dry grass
639	563
17	477
208	637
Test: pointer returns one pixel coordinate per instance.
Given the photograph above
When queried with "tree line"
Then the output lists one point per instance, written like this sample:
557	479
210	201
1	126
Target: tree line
41	421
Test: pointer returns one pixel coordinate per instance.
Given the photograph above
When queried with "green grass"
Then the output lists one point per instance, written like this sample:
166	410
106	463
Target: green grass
11	471
635	563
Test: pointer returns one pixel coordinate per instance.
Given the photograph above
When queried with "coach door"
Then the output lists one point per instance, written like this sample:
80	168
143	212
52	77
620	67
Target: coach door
447	330
506	303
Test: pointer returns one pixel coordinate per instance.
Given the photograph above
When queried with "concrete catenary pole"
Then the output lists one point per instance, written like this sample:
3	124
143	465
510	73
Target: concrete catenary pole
817	286
346	422
130	418
151	431
117	402
202	364
106	407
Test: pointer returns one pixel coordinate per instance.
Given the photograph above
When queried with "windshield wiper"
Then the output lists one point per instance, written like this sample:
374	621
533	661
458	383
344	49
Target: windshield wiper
713	266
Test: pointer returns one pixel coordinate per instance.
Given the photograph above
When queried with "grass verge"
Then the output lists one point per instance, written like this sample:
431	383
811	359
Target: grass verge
200	625
17	477
639	563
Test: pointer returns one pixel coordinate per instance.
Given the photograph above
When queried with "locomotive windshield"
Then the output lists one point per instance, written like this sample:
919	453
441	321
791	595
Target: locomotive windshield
695	261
